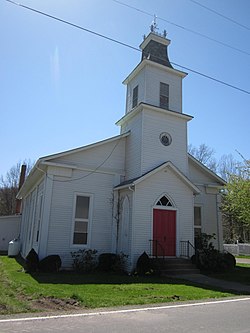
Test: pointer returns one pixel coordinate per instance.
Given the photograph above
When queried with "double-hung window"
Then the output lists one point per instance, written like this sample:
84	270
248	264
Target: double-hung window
135	97
164	95
81	220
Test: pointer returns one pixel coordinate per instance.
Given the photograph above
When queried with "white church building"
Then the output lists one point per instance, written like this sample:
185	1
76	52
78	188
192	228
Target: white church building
138	191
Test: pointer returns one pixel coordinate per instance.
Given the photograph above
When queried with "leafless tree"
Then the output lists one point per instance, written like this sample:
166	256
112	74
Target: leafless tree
227	166
9	187
205	155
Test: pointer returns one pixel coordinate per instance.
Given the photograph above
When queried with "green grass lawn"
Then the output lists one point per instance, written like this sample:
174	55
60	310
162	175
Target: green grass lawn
242	256
23	292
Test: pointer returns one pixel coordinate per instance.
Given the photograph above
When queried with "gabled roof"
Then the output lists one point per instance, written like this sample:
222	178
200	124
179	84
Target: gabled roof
82	148
137	180
205	169
39	169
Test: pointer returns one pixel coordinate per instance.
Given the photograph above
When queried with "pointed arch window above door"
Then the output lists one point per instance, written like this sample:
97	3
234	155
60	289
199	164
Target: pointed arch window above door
164	201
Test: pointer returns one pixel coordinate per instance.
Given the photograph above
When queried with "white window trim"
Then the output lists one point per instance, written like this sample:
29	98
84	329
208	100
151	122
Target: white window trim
169	198
91	196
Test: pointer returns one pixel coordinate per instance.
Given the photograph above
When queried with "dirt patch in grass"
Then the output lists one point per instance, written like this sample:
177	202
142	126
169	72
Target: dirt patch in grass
3	308
47	303
53	304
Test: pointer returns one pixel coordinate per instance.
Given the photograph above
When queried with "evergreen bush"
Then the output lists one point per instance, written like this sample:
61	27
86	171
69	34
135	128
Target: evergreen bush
84	260
50	264
32	261
144	265
111	262
212	260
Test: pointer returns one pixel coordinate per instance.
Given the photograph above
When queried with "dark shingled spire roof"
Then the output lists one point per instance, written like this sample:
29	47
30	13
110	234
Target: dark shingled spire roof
155	50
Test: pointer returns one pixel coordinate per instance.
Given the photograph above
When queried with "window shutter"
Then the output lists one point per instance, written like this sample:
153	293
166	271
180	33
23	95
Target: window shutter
164	95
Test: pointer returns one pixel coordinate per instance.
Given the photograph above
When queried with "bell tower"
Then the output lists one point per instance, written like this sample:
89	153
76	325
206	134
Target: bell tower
153	115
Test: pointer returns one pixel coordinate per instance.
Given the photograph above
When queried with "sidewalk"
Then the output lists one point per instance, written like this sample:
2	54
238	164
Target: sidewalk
209	281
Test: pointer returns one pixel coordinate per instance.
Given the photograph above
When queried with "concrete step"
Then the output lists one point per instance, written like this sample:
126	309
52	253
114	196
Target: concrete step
181	271
175	266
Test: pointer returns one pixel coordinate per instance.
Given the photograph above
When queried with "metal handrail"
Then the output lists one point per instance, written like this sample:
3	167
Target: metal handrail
185	249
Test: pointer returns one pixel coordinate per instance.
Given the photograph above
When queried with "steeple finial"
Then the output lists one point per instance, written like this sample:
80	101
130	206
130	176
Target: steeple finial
153	26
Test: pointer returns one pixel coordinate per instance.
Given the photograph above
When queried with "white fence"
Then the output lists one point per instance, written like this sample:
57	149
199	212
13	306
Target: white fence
236	249
9	230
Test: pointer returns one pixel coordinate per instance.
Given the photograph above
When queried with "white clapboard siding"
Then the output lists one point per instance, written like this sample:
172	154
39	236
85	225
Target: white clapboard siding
209	201
210	214
197	175
100	186
144	150
153	152
148	80
137	81
153	78
109	155
29	222
133	147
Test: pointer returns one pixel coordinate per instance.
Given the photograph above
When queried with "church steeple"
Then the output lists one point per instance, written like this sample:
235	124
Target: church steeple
154	81
158	128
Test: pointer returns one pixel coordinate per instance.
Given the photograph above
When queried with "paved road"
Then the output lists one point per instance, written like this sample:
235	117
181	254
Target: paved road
214	316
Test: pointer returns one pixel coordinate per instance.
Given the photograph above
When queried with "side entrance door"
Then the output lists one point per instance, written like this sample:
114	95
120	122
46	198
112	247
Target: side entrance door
164	232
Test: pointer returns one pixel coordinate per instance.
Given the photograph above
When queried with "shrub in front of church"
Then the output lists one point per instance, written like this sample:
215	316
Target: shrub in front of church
230	260
50	264
111	262
120	263
210	259
144	265
84	260
106	261
32	261
215	261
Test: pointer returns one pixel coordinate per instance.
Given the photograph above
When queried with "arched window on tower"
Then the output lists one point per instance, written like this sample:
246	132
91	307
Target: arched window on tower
164	201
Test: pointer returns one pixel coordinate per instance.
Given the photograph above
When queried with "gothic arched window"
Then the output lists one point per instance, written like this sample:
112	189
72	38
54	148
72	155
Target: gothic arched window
164	201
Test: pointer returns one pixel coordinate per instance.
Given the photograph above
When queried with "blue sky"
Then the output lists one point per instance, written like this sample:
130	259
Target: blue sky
61	87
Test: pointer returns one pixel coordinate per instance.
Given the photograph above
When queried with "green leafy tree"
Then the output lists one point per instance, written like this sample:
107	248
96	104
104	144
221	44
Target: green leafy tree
236	201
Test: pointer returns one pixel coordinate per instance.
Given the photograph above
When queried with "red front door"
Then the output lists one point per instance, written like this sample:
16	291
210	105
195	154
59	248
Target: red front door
164	232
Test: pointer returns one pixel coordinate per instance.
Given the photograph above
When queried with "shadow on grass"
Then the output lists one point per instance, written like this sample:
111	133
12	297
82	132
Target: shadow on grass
107	278
241	274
